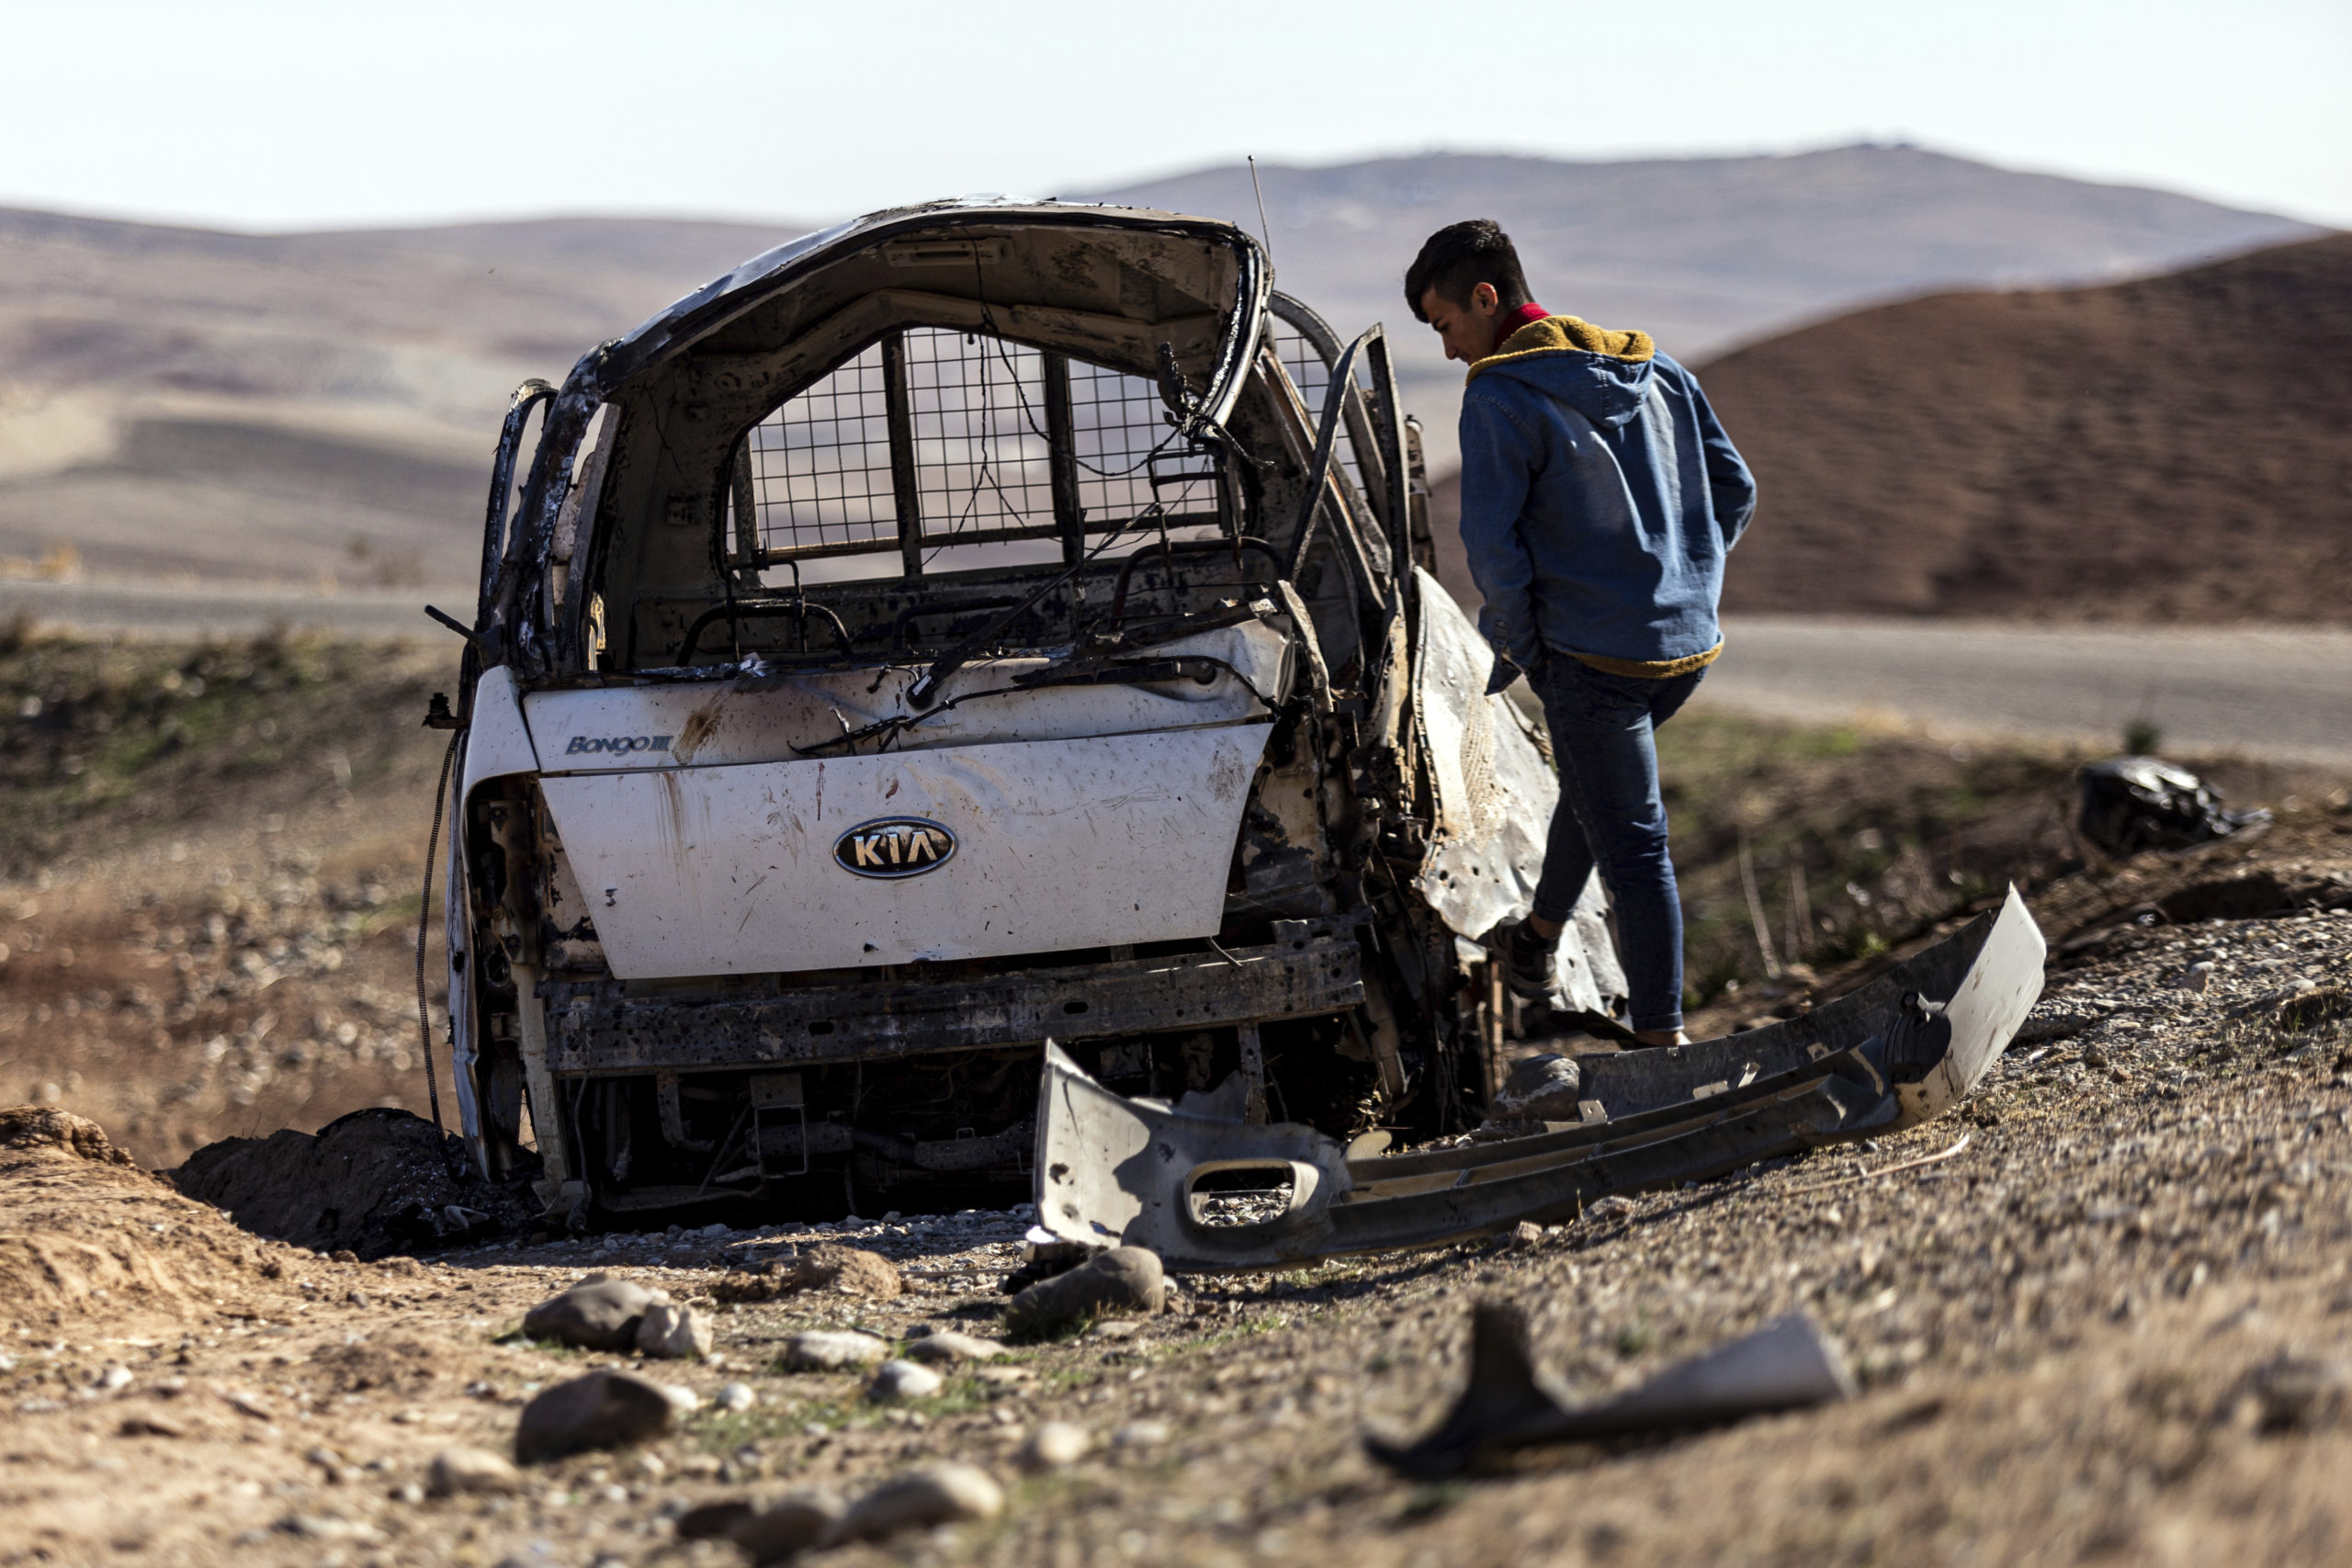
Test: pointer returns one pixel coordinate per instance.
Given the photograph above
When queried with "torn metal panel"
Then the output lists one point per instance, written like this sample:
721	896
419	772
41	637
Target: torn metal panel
1900	1049
1495	797
599	1028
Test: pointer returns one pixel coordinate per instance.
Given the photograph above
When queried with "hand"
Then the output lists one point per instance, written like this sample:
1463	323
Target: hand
1504	674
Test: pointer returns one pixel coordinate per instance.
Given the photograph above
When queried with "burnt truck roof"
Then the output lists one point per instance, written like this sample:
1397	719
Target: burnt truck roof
1196	259
1142	291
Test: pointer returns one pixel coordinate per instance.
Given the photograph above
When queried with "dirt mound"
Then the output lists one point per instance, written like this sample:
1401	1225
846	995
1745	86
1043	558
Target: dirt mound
2170	449
35	1129
374	1182
83	1228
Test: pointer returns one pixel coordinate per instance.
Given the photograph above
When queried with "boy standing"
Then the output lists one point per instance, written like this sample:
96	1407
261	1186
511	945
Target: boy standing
1600	497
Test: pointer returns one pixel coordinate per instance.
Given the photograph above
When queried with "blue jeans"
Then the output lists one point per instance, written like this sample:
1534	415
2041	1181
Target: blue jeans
1611	812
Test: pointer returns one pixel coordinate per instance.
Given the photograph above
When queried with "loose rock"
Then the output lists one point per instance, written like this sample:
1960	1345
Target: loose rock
937	1495
596	1314
679	1333
826	1349
1140	1435
1054	1445
461	1471
1122	1281
2294	1394
827	1266
948	1347
904	1380
797	1521
723	1518
602	1410
846	1270
735	1397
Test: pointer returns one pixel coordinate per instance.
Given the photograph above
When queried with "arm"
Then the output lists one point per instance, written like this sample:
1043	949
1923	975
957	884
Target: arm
1733	487
1499	458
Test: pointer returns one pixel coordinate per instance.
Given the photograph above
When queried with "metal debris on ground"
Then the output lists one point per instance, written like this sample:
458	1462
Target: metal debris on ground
1509	1404
2131	804
1901	1051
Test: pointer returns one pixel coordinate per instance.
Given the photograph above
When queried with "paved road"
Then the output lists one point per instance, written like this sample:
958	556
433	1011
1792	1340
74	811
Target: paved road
2282	693
166	609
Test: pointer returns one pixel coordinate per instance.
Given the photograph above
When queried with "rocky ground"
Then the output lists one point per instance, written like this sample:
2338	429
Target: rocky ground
2114	1324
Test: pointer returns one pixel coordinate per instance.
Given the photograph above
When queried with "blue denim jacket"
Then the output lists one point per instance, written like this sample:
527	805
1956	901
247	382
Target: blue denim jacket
1598	498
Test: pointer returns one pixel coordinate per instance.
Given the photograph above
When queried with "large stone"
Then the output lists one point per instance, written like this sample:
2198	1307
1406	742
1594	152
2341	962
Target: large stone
677	1331
454	1471
947	1346
828	1349
793	1524
595	1314
904	1380
937	1494
1124	1281
602	1410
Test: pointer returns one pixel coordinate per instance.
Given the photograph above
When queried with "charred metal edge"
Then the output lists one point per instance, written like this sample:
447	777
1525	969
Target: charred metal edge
591	1030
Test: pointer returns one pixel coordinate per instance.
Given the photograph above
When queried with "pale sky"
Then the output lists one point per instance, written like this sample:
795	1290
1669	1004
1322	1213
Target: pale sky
258	115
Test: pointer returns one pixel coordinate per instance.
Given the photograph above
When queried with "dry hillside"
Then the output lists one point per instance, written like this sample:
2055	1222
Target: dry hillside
292	407
2177	449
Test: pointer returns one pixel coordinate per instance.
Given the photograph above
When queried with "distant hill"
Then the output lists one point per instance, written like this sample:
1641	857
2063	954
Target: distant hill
299	406
1704	253
2177	449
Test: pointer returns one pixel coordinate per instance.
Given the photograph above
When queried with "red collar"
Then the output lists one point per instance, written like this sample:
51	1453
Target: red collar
1525	314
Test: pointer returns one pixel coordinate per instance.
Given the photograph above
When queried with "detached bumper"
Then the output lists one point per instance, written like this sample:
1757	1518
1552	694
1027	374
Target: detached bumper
1902	1050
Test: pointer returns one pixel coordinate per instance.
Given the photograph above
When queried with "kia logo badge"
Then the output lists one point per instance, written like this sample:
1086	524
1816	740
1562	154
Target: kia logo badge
890	847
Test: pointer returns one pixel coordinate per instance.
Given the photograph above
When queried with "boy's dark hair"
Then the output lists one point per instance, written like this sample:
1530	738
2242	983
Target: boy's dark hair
1458	258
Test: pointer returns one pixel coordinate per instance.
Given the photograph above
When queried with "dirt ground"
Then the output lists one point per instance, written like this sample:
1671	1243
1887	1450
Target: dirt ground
2113	1327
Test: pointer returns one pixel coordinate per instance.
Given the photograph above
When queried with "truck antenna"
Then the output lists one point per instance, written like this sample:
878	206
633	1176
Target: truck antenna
1262	230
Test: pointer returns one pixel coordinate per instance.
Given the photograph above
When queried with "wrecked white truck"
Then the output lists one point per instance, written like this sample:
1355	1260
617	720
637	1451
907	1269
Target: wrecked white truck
973	627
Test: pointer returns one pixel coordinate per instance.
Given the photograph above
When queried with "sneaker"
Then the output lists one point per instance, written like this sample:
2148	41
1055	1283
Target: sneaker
1531	964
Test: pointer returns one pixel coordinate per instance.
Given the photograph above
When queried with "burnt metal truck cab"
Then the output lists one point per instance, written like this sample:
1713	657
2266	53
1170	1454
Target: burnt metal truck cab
976	625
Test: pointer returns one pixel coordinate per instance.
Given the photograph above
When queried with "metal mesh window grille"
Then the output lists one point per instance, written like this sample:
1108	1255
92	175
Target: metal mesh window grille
1313	378
820	465
978	444
979	462
1117	426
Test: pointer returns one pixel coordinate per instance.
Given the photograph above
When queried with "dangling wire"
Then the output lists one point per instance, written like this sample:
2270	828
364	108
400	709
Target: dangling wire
423	917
